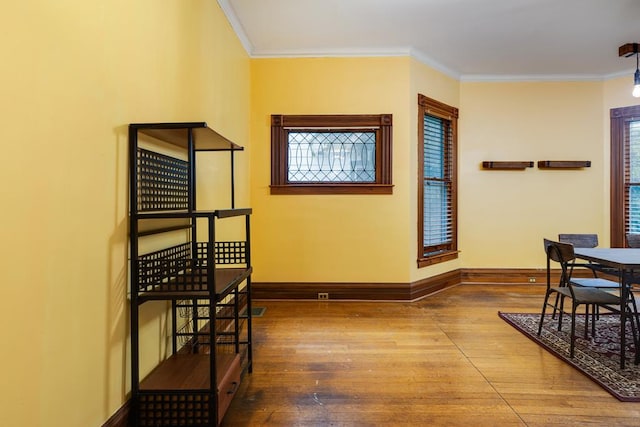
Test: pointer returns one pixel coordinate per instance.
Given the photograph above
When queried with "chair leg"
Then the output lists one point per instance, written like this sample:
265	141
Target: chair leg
561	312
635	308
573	329
635	330
635	326
544	308
555	307
586	320
636	338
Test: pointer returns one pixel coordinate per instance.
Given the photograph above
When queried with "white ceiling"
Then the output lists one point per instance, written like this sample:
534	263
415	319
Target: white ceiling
466	39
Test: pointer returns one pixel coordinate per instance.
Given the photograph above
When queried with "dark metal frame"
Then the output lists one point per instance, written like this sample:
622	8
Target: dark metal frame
201	279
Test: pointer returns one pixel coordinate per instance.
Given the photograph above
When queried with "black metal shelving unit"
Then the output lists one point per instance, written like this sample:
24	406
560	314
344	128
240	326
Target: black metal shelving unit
175	257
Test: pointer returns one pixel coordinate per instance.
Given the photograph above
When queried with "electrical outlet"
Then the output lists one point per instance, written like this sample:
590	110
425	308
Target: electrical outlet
323	295
532	280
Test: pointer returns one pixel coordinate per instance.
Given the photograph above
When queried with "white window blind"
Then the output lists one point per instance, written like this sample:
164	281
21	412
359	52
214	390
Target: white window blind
632	176
437	185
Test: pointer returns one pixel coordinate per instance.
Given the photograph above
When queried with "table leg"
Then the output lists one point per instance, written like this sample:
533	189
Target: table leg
623	318
626	279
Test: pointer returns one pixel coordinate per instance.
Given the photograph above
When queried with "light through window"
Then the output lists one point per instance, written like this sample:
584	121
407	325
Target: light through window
436	186
633	184
332	156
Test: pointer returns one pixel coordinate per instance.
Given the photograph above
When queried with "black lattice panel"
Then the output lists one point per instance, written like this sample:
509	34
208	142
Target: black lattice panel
163	182
187	339
225	252
166	408
186	307
225	323
186	334
170	270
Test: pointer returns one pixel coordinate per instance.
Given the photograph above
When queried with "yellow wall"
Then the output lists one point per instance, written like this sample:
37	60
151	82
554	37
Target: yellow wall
332	238
505	214
435	85
74	74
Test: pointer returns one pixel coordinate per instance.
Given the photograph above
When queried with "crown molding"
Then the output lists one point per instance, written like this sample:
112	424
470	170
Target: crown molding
496	78
237	27
330	53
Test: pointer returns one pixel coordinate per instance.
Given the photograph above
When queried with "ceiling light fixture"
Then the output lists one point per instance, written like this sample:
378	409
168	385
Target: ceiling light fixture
628	50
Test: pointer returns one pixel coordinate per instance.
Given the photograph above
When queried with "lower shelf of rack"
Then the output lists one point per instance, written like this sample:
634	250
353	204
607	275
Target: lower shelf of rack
177	392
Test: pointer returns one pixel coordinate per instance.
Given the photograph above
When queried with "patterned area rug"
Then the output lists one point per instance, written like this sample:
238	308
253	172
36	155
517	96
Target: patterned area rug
597	358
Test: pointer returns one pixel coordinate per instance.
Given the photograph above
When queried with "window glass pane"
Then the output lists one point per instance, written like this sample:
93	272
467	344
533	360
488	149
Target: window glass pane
437	225
634	209
634	177
318	156
634	152
433	147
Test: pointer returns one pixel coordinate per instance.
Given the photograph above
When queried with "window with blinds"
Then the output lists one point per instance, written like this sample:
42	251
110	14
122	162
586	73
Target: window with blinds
625	173
437	187
632	177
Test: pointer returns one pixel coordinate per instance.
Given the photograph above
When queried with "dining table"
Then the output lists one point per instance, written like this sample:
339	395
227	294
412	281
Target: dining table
625	264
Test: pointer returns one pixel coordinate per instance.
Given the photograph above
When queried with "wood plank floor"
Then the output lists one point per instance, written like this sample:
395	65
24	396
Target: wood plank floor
447	360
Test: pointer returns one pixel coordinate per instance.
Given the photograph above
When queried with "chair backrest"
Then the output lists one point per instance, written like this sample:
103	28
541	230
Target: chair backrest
563	254
633	240
559	252
580	240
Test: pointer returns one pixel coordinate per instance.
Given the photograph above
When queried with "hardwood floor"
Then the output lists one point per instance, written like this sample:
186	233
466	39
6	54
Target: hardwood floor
445	360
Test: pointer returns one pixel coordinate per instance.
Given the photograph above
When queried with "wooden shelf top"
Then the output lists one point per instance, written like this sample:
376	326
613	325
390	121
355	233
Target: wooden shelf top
515	165
219	213
187	372
564	164
204	138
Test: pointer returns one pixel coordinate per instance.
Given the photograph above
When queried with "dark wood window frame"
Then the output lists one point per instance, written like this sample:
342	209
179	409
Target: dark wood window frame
280	124
620	117
431	107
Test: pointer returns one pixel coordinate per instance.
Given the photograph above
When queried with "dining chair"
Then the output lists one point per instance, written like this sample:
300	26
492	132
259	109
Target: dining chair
580	240
587	240
584	240
567	287
633	240
591	241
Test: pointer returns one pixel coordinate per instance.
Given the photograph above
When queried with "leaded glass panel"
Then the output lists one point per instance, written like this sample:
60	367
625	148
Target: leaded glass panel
331	156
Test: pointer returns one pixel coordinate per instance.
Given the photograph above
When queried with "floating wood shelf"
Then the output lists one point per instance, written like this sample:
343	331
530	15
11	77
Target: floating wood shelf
506	165
564	164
